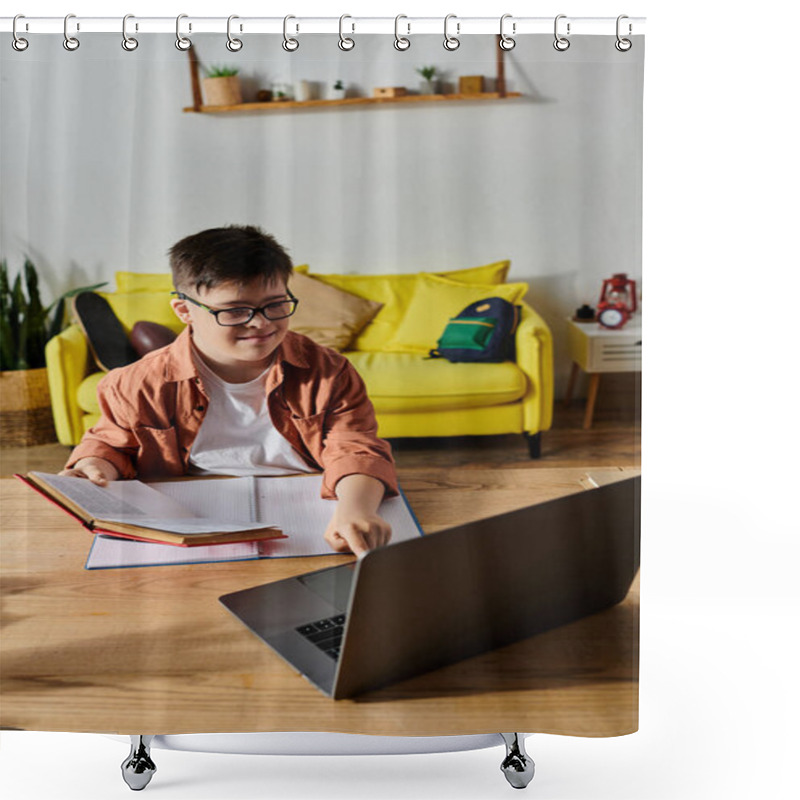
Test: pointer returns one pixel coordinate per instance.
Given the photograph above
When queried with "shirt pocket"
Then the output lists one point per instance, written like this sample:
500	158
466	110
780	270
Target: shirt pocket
312	432
159	454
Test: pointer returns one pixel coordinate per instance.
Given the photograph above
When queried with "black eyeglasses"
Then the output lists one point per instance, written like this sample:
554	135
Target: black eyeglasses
228	317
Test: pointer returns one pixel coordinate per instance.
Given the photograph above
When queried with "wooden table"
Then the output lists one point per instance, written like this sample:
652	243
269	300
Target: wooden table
150	650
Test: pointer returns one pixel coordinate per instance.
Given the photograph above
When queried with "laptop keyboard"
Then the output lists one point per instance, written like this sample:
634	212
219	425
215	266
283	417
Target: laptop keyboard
325	634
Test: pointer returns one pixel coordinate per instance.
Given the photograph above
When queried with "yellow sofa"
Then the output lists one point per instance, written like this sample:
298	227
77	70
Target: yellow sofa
414	396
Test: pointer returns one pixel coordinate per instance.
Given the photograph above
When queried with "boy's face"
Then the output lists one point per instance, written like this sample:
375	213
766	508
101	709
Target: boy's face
243	348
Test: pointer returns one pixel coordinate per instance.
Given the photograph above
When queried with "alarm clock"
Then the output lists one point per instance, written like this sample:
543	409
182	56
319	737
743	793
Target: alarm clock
613	316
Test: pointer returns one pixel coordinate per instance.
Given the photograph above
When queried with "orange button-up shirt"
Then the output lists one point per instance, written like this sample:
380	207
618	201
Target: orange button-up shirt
152	410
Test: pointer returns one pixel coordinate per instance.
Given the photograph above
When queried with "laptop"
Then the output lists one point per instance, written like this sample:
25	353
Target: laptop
410	607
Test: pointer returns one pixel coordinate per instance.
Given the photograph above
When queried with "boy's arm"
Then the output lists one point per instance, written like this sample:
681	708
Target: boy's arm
351	445
111	438
355	525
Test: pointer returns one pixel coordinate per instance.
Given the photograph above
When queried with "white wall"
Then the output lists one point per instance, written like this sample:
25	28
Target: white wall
101	169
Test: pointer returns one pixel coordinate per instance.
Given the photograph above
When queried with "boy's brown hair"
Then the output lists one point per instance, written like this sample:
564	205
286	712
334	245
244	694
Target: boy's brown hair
238	253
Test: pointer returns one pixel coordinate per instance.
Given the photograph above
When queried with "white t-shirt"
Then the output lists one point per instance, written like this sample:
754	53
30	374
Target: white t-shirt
237	436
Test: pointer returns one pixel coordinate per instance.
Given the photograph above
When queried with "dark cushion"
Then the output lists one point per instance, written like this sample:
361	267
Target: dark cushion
148	336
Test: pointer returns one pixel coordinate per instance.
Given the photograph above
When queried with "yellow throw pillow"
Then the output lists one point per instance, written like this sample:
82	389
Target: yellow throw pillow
434	302
144	281
394	292
157	281
131	307
491	273
328	315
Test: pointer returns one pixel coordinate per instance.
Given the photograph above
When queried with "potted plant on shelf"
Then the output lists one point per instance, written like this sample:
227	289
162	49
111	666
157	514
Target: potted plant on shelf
430	82
338	91
26	326
221	87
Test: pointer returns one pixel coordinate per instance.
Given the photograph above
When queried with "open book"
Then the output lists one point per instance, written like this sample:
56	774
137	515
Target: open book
134	510
292	503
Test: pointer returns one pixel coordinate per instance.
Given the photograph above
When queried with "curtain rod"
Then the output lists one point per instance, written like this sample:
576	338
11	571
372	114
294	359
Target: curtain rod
406	26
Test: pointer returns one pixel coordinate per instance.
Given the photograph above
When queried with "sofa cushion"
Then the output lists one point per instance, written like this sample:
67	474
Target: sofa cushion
395	292
434	301
409	382
328	315
87	393
144	281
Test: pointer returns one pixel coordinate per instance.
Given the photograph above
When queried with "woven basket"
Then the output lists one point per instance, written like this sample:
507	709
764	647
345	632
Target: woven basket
26	416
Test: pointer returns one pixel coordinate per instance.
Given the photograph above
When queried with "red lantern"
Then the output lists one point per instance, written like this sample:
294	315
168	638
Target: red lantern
617	301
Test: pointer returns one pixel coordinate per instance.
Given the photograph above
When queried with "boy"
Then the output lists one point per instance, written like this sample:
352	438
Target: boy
237	393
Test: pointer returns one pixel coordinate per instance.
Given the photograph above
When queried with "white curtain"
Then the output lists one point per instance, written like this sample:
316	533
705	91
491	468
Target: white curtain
550	180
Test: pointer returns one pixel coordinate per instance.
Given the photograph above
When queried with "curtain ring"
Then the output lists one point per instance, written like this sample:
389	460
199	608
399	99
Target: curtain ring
345	42
128	42
234	45
18	43
507	42
289	44
451	42
70	42
561	43
623	45
400	42
181	42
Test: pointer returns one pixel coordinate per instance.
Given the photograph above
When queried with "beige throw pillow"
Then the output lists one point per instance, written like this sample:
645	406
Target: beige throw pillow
329	316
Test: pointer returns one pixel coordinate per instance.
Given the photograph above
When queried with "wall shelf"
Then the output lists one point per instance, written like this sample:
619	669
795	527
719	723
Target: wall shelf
282	105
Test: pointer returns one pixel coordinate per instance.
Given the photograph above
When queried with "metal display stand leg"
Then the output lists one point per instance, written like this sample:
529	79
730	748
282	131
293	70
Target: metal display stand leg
138	768
518	766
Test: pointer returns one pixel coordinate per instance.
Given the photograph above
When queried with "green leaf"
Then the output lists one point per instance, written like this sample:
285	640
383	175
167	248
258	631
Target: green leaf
16	310
5	291
8	357
57	318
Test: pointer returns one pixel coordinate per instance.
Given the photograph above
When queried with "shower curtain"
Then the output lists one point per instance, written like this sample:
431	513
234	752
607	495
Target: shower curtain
509	164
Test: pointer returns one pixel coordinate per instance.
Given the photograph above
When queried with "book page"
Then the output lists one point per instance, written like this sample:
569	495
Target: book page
108	552
233	499
118	501
295	506
135	503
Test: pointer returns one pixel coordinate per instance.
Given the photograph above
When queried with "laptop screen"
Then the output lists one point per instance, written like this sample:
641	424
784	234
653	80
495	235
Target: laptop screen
332	585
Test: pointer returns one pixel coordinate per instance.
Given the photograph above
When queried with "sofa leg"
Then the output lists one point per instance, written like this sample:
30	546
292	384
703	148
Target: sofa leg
534	441
517	766
138	768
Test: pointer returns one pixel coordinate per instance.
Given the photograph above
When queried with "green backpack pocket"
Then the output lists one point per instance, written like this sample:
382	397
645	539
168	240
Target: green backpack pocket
467	334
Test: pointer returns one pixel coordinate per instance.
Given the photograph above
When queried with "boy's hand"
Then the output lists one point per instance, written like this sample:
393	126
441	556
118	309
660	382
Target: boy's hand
357	533
97	470
355	525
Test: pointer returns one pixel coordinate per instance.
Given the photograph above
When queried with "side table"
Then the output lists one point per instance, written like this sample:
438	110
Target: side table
596	350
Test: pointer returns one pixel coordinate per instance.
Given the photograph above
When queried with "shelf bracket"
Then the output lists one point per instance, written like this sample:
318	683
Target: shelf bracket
194	70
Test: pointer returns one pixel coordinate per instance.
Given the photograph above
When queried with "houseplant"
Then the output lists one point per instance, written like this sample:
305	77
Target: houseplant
221	86
430	81
25	327
338	91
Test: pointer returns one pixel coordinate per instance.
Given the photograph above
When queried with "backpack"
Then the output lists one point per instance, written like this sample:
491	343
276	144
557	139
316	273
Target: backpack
483	331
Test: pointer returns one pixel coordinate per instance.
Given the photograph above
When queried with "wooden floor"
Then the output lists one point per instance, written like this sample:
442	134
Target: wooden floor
613	441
